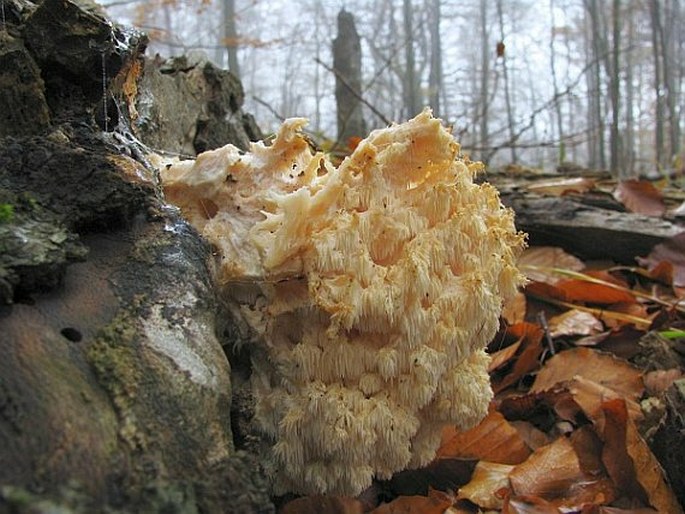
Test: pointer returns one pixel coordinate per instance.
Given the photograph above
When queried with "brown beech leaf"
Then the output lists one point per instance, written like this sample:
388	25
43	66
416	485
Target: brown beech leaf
671	251
323	505
533	436
587	396
588	447
493	439
527	357
554	473
604	369
528	505
577	290
574	323
487	483
630	462
435	503
641	197
538	263
501	357
545	290
621	341
663	272
562	186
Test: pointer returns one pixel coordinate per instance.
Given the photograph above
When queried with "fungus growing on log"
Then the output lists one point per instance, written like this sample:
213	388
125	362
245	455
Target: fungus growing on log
370	291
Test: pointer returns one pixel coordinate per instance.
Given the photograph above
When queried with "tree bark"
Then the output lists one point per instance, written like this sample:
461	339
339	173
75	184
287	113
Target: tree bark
555	84
614	84
505	74
484	96
347	63
230	35
412	102
435	75
655	18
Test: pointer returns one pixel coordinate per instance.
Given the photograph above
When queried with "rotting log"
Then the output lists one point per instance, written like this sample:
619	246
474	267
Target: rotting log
585	230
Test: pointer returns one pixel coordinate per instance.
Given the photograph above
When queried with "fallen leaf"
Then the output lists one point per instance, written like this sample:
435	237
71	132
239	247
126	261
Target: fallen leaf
631	464
577	290
353	142
588	448
563	186
574	323
641	197
501	357
487	482
528	505
532	436
539	262
435	503
672	251
545	290
621	341
587	396
493	439
604	369
527	357
445	474
323	505
553	473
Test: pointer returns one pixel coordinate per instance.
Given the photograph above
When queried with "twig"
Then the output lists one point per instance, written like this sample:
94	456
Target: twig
353	91
542	319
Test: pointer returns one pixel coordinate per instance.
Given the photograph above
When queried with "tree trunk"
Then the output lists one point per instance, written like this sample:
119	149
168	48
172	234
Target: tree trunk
667	34
598	51
628	159
435	76
655	17
412	102
484	97
505	74
230	36
614	81
347	63
555	84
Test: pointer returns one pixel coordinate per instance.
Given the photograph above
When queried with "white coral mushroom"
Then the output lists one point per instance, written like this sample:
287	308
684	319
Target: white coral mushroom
373	289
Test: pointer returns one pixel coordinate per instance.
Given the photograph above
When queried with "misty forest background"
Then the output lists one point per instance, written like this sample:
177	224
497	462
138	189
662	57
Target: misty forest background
590	83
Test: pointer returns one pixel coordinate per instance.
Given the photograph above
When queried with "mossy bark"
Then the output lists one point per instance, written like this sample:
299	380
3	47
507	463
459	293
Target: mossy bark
115	391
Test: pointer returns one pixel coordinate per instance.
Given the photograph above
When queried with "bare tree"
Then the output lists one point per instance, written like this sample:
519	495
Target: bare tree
596	109
347	63
615	88
555	85
435	76
412	101
655	18
502	56
484	97
230	35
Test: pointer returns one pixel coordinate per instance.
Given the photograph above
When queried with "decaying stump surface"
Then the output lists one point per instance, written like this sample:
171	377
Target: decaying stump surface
114	387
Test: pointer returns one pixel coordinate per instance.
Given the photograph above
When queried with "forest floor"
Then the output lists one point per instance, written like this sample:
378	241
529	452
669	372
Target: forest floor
587	367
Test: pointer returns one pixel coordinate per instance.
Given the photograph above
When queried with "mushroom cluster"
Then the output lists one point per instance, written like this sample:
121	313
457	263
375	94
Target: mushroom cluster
370	291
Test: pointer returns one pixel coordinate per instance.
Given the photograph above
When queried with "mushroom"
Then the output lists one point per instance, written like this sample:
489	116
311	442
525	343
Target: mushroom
369	291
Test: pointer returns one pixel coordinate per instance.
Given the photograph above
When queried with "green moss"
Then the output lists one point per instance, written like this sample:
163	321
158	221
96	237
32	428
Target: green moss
6	212
115	362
